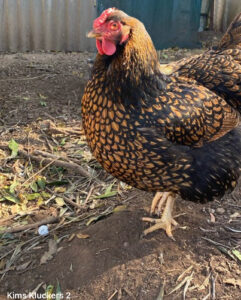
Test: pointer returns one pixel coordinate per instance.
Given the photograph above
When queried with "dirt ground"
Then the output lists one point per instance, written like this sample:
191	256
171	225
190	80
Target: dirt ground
95	248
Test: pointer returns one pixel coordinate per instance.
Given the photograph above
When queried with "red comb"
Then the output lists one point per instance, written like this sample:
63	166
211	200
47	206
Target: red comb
102	18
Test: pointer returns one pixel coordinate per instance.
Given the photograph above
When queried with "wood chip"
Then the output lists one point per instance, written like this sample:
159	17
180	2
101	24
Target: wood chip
232	281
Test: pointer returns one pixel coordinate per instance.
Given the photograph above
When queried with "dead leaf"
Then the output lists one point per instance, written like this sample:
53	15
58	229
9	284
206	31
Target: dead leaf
96	204
108	192
237	254
3	154
17	167
93	219
119	208
40	201
59	201
23	266
205	283
60	189
2	264
105	213
48	255
233	281
71	237
82	236
87	156
235	215
212	218
13	145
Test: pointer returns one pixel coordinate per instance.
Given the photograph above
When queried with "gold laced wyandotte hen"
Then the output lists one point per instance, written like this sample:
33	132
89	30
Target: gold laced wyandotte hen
157	132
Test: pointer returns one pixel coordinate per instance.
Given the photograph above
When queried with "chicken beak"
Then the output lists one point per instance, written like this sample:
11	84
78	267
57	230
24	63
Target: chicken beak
93	34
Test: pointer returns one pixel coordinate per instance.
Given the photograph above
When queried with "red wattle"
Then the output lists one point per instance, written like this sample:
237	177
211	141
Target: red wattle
108	47
99	47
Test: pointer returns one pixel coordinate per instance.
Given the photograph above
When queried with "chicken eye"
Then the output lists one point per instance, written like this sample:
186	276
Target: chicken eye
113	26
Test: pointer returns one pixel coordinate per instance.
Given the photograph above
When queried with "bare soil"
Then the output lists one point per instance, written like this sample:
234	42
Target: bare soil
110	258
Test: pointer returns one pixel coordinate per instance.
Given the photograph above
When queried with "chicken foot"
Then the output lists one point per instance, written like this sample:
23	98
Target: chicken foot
166	221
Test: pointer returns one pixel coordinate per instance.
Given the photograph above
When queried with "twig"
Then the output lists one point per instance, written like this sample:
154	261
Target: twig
72	202
129	293
31	226
36	289
205	283
7	219
36	238
181	284
44	153
19	215
215	243
180	277
48	143
113	295
24	153
14	256
232	229
161	258
213	286
47	162
207	230
206	297
161	293
119	294
53	129
187	286
89	194
64	164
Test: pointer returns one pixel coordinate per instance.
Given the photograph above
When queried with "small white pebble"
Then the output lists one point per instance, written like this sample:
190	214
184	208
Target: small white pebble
43	230
220	210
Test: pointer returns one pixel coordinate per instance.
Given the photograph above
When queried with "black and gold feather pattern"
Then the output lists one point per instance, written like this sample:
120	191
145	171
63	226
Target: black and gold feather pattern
157	132
219	69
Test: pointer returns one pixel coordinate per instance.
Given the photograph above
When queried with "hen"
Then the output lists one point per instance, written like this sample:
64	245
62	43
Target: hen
218	69
156	132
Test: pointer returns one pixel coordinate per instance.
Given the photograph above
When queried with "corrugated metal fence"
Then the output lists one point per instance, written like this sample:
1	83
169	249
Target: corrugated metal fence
59	25
224	13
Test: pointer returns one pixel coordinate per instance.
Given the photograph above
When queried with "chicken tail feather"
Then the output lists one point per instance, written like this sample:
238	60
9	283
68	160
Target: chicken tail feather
232	37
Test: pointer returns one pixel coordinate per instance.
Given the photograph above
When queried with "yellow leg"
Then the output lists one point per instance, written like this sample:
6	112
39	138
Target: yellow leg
159	199
166	221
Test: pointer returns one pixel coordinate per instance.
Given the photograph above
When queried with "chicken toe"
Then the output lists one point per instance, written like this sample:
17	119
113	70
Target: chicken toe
157	203
166	221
